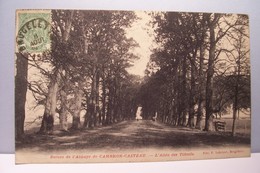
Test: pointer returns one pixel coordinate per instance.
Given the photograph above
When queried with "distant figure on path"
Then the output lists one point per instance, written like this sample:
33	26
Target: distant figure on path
155	117
138	113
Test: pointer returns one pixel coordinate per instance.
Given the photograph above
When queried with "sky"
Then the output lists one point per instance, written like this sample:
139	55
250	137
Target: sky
140	33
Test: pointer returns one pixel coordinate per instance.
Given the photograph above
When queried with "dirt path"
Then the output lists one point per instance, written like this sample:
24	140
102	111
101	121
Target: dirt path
129	135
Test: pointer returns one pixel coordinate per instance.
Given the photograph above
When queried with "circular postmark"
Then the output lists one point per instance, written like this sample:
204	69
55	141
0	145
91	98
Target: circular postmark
34	36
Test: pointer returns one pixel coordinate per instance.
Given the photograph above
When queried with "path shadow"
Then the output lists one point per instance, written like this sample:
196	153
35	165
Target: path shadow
130	135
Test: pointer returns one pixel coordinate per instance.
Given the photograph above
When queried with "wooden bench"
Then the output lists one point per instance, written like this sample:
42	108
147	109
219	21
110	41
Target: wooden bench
220	126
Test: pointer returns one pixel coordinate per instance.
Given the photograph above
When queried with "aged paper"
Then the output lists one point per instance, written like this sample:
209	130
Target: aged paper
96	86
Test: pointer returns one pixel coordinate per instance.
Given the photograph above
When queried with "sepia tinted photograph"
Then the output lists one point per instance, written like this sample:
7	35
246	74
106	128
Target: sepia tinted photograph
95	86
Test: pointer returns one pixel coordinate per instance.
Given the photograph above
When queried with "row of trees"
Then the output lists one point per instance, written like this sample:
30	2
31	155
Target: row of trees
201	65
85	69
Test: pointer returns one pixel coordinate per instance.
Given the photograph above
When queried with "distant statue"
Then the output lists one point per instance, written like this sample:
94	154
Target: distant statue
138	113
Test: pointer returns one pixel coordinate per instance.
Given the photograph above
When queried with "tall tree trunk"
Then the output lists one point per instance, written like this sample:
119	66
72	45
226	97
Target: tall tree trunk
97	114
234	117
92	111
209	80
51	105
63	112
20	93
179	98
114	105
110	108
87	118
119	102
184	91
235	103
192	93
103	112
200	89
176	97
76	115
116	100
91	115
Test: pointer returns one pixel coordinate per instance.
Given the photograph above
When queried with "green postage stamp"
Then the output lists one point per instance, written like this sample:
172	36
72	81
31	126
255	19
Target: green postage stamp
33	30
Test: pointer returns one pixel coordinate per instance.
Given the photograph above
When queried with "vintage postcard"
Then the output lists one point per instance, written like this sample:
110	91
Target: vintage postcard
95	86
